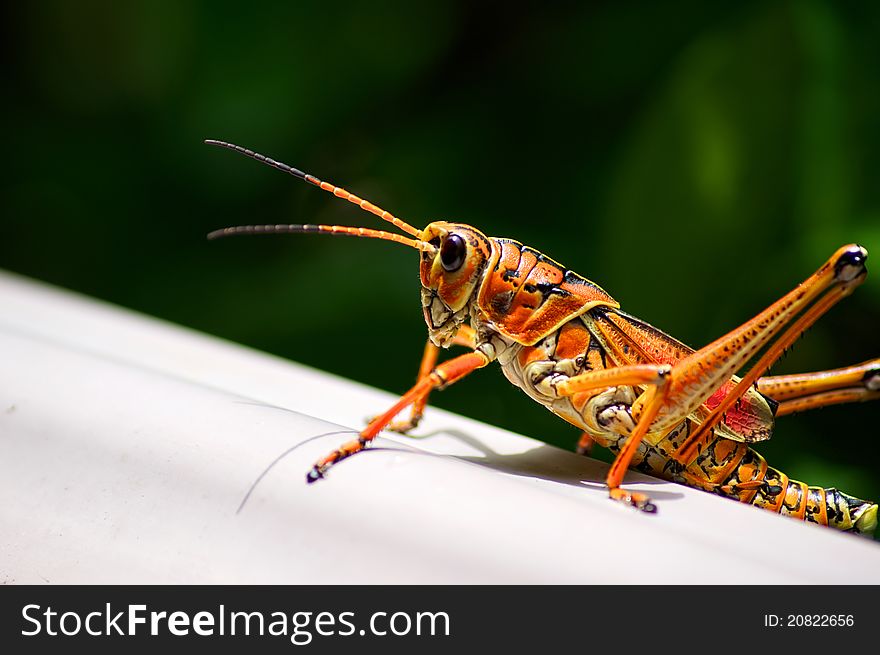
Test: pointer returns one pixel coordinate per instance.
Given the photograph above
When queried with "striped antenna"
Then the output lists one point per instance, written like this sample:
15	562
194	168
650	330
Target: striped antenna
339	192
326	229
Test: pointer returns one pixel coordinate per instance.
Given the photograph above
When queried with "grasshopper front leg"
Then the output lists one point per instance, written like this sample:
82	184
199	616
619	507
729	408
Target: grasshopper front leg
445	374
464	337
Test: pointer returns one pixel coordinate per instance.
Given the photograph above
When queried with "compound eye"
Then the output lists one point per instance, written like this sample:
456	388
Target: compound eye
452	253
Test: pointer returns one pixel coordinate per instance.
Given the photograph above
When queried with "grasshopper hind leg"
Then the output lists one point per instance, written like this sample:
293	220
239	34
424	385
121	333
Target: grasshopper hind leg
805	391
585	444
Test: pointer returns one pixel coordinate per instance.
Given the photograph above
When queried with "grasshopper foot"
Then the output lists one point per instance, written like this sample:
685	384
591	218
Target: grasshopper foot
401	427
585	445
319	470
634	499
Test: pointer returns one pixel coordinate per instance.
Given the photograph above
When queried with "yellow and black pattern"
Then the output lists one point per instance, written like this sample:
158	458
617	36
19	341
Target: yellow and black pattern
732	468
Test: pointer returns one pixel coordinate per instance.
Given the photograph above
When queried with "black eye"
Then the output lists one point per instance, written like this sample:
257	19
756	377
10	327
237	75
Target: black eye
452	253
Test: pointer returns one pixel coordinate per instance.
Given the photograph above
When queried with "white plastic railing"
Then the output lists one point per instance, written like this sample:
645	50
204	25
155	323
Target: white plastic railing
127	445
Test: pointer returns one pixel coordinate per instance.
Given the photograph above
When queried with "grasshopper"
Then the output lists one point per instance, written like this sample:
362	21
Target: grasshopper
677	413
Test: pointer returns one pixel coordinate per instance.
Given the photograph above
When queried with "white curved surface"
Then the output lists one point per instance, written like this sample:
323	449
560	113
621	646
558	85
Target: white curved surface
127	445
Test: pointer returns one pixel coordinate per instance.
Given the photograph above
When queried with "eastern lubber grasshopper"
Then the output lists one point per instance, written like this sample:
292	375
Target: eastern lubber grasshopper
662	407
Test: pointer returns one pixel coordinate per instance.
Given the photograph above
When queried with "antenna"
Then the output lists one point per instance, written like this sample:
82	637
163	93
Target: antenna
327	229
339	192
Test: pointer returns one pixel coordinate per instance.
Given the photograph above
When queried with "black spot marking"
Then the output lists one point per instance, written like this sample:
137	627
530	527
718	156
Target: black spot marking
772	490
501	302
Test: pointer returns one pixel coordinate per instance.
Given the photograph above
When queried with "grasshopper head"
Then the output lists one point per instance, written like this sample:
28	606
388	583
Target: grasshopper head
450	273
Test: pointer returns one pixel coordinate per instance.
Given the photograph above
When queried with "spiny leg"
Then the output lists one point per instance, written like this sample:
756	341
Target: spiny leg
464	337
701	373
445	374
804	391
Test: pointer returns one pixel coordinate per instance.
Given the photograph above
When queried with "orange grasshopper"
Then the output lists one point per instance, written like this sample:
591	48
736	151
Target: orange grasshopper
663	408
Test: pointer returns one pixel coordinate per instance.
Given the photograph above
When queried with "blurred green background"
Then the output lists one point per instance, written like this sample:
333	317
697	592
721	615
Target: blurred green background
695	159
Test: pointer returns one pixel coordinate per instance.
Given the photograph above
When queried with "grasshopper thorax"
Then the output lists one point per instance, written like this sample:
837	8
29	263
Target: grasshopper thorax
450	273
